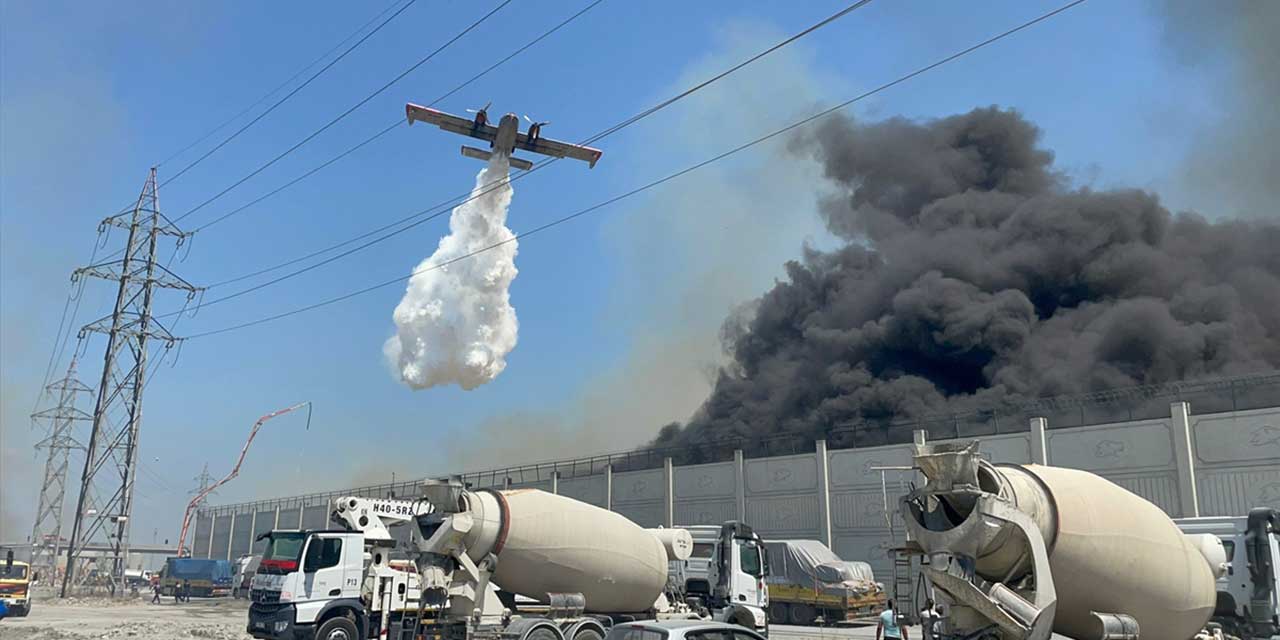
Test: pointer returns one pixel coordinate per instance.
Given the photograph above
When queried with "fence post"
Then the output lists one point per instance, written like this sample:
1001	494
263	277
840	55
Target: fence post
231	534
555	482
253	528
740	484
608	486
824	493
1039	441
1184	454
668	493
213	522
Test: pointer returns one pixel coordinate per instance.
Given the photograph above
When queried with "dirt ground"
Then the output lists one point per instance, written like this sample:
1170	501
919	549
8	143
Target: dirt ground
77	619
217	619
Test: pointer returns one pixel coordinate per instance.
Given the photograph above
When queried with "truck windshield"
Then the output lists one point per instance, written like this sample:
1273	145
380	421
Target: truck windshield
14	572
282	553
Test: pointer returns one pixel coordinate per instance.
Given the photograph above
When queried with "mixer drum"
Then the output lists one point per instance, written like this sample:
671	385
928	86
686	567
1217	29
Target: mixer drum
1113	551
555	544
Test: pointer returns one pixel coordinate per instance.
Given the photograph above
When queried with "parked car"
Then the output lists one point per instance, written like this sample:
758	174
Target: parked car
681	630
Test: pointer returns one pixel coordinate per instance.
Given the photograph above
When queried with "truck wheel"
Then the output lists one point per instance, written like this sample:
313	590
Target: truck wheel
337	628
779	613
802	614
586	634
21	612
543	633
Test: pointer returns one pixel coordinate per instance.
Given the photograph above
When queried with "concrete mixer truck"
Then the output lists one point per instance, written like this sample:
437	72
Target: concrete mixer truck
576	567
587	567
1020	552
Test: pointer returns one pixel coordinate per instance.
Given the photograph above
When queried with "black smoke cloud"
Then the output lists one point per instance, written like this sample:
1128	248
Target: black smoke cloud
975	275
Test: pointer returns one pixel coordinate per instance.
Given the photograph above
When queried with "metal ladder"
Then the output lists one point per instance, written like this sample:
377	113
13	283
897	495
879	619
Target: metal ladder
904	591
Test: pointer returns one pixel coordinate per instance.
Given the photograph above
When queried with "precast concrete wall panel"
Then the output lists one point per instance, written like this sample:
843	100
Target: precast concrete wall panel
242	534
264	522
200	544
782	496
289	517
705	493
870	547
221	536
1237	461
315	516
640	496
544	485
1135	455
589	489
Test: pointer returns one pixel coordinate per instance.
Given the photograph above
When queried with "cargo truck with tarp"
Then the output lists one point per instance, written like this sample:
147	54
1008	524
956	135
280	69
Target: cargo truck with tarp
207	578
810	584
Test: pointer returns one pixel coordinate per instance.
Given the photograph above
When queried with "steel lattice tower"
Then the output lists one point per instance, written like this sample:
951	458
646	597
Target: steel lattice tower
46	534
202	482
111	455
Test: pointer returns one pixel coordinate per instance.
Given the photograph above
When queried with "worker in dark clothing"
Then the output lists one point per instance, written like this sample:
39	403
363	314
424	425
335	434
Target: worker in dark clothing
155	592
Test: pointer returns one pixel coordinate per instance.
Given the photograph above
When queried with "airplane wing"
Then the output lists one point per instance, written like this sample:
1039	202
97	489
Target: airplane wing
548	147
449	122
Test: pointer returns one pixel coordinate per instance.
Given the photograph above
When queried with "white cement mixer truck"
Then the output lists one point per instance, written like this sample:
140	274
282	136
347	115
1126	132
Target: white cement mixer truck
1020	552
587	568
577	568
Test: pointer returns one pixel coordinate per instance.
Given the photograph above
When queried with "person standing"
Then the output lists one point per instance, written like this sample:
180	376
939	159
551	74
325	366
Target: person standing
929	617
888	626
155	592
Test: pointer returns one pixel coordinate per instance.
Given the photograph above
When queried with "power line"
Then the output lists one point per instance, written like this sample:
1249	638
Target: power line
59	340
437	210
285	98
659	181
282	85
398	121
344	114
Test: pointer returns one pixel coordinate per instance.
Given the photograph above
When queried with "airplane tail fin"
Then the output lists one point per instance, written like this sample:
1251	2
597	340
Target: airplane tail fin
518	163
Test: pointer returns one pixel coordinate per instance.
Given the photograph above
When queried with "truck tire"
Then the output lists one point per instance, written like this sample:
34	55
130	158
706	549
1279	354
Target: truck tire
584	634
20	612
337	628
541	633
779	613
802	614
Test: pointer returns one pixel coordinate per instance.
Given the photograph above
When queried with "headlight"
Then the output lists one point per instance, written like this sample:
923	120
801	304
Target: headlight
281	626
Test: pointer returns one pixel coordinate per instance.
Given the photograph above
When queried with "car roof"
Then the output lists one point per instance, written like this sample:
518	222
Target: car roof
683	625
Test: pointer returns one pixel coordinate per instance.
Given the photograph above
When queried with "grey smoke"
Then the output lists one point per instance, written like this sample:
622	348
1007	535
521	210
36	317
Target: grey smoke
1234	158
974	275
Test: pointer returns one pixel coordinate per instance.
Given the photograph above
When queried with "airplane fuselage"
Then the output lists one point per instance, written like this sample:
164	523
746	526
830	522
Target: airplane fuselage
508	128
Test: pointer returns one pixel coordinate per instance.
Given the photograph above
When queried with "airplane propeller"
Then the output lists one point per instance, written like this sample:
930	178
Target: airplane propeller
485	108
530	121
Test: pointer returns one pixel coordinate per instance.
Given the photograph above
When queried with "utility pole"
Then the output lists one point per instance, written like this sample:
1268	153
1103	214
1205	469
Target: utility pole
46	535
111	456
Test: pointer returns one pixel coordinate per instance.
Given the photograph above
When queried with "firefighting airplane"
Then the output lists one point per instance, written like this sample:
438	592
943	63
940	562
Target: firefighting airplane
504	138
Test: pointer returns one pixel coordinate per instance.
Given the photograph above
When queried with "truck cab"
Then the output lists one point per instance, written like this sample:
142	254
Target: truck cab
726	572
1249	589
15	585
325	584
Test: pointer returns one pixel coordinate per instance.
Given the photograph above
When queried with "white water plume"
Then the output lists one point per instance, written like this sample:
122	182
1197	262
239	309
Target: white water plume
455	323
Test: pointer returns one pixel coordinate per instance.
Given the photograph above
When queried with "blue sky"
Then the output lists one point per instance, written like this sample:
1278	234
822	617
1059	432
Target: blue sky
618	310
